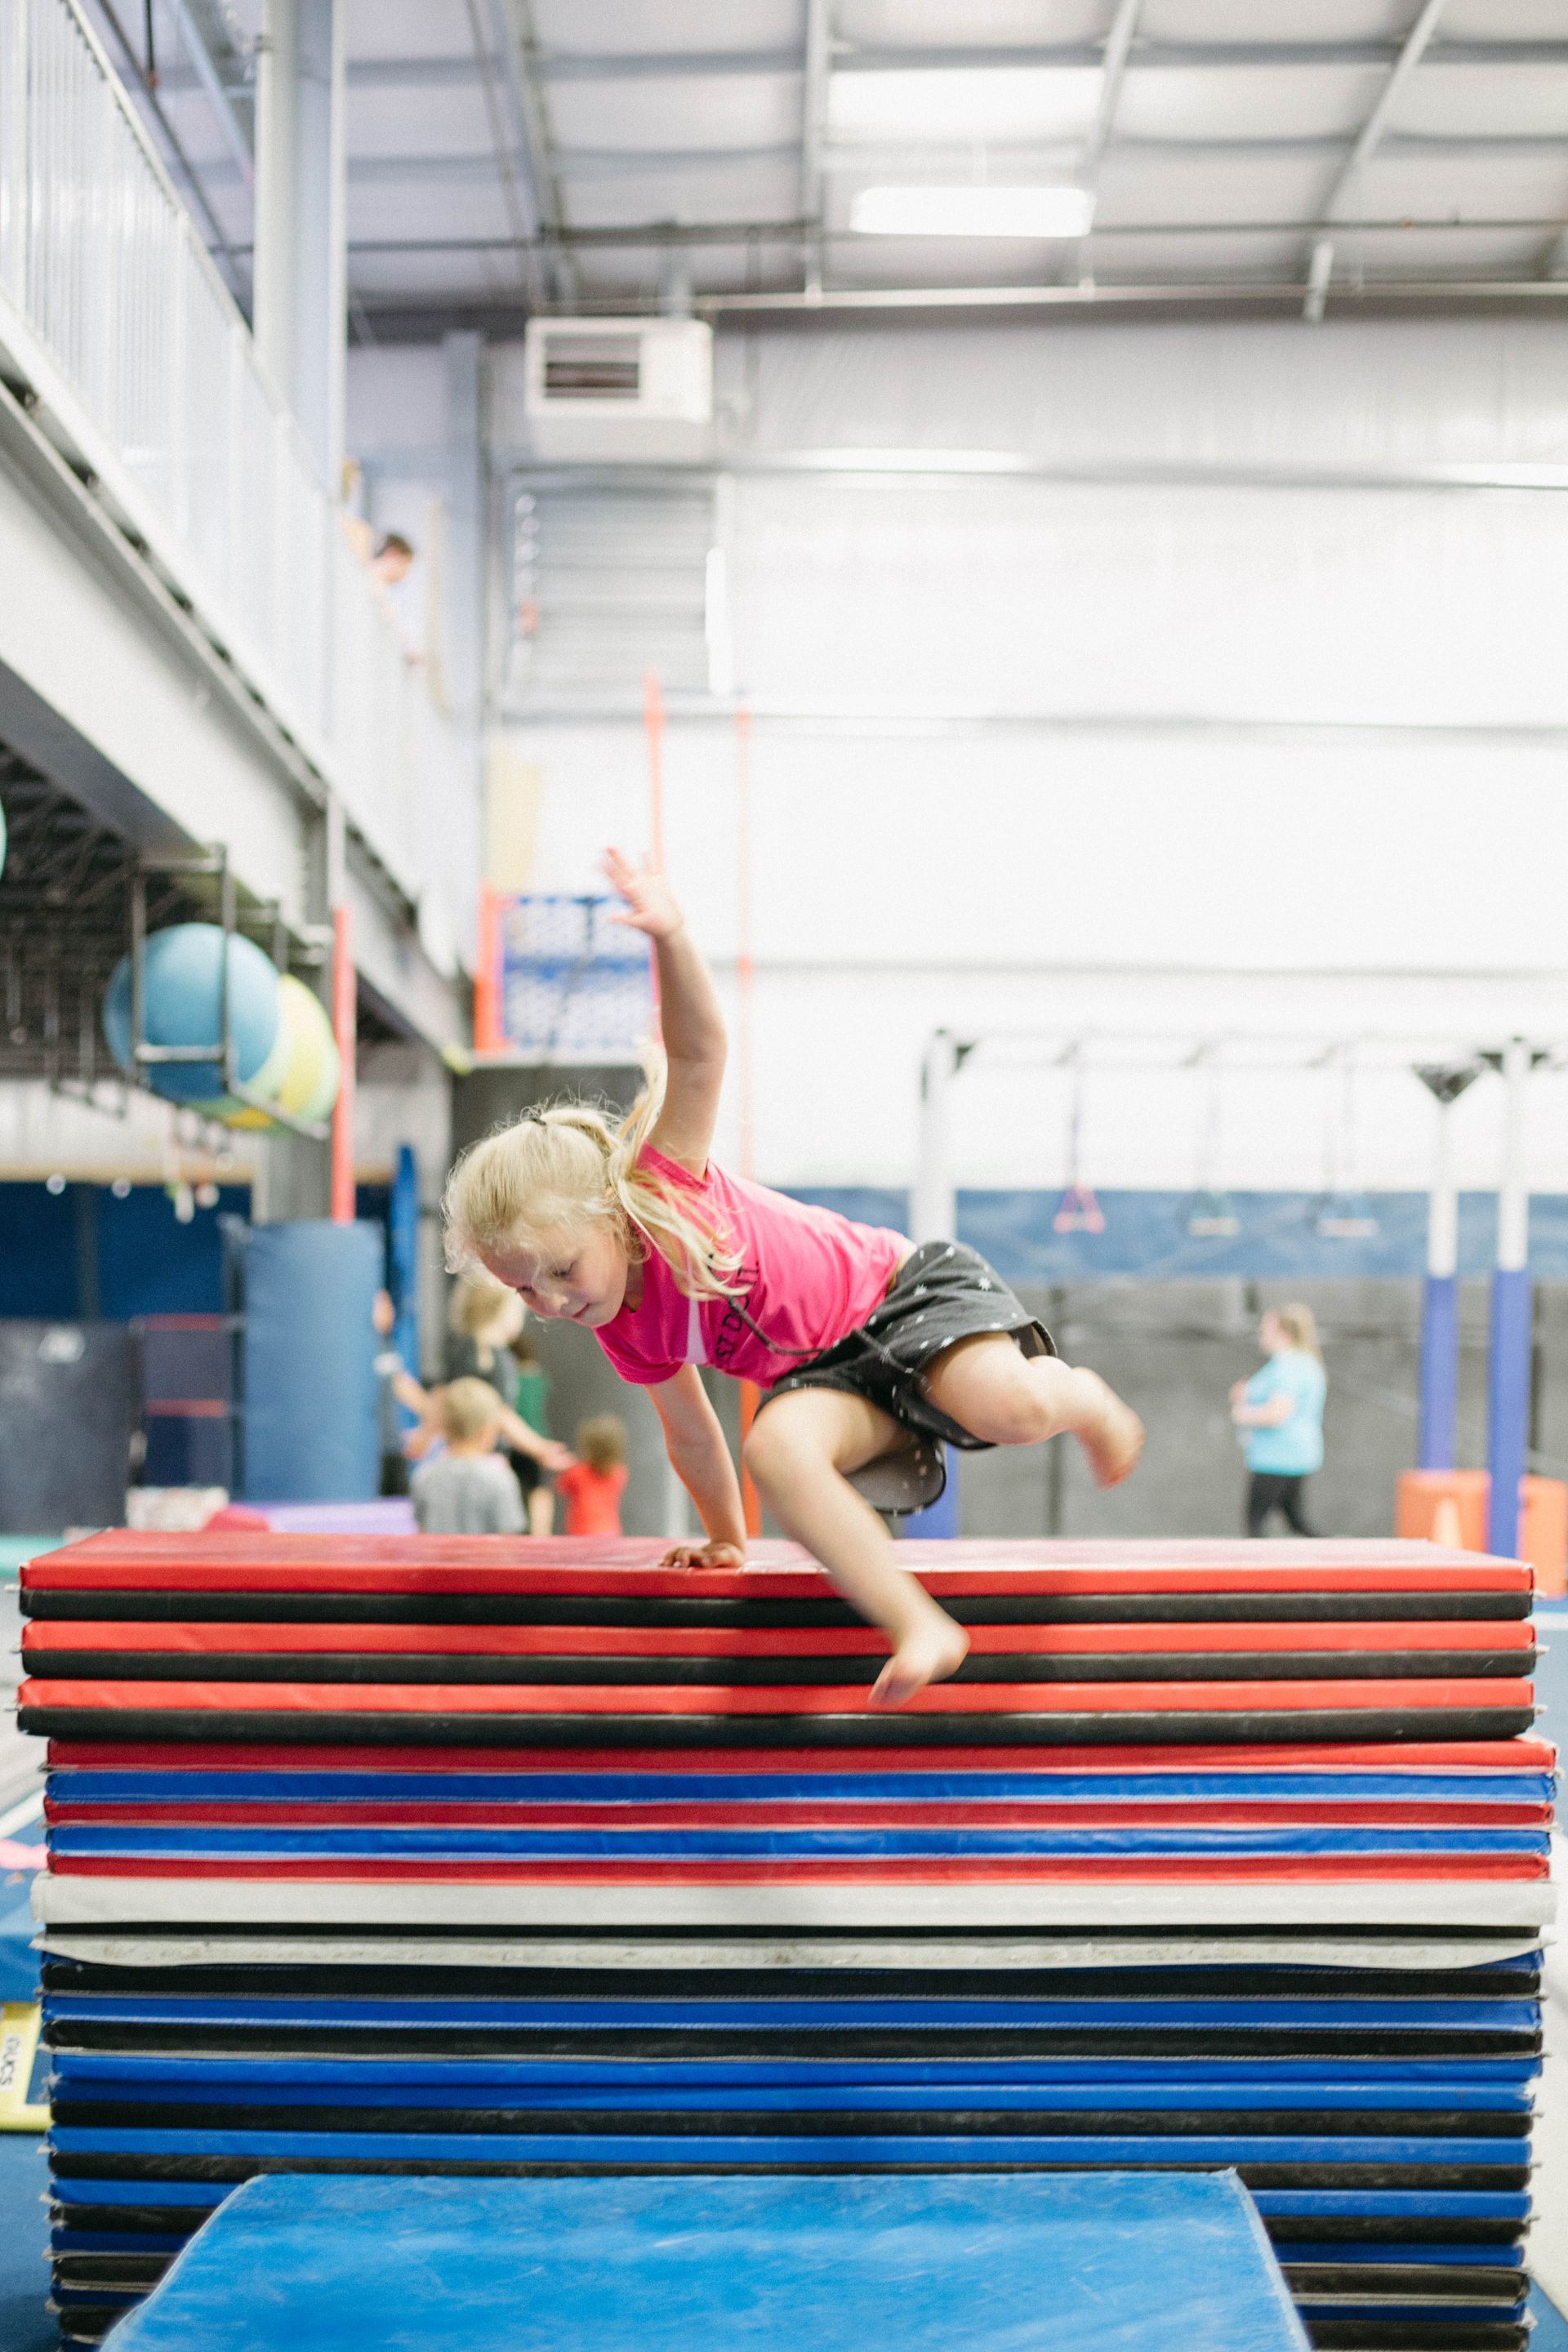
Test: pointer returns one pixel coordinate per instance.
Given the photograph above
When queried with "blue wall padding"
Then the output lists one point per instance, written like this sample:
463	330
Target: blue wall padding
1139	2262
308	1355
1146	1235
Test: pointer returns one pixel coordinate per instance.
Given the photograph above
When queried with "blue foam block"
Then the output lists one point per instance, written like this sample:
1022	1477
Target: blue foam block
1129	2264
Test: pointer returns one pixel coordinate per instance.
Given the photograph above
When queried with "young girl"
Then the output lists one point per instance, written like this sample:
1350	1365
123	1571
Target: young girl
867	1347
593	1488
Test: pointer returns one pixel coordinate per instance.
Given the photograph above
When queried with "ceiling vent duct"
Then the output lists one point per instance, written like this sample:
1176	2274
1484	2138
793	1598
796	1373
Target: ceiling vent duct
608	388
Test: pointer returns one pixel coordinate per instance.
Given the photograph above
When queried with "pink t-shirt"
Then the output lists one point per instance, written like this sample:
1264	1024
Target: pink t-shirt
807	1277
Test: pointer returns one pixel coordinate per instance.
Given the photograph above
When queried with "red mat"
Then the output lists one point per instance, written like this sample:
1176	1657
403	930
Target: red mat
748	1642
810	1698
1523	1754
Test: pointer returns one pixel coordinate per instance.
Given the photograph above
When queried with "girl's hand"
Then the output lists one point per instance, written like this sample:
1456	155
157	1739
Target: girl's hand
648	897
704	1555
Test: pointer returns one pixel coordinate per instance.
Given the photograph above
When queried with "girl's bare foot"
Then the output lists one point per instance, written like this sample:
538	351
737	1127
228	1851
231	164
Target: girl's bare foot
928	1653
1113	1439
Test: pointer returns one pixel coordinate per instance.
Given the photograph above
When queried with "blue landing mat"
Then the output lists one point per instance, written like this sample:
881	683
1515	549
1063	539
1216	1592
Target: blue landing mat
1128	2264
366	2088
86	1785
640	1844
820	2016
723	2152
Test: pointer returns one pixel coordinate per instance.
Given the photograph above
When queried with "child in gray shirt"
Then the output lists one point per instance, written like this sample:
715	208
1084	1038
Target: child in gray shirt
470	1489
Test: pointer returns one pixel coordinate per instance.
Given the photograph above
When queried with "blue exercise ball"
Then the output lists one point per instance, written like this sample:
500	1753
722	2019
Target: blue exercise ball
182	968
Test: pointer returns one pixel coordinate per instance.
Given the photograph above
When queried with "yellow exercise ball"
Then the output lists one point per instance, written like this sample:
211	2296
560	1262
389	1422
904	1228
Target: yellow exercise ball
302	1075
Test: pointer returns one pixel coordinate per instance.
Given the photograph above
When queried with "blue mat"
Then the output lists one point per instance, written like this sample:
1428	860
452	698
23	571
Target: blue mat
819	2016
637	1844
297	1783
1128	2264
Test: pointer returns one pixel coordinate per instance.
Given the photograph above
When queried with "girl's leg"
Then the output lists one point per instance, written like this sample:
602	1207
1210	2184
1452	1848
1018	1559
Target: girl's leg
992	1389
1260	1501
541	1509
1290	1503
798	1449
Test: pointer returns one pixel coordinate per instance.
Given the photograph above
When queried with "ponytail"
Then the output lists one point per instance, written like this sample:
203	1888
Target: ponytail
567	1167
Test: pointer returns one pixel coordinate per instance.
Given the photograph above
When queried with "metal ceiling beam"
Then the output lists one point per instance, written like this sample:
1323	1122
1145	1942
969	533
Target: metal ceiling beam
1153	56
222	74
625	162
815	64
1240	292
554	65
517	46
1410	52
1118	42
473	167
1321	264
643	234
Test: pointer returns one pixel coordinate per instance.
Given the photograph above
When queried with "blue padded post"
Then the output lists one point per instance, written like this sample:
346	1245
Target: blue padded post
307	1357
402	1255
1508	1405
1439	1396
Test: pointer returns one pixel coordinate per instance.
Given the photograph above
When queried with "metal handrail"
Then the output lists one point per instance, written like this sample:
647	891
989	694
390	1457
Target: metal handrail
114	318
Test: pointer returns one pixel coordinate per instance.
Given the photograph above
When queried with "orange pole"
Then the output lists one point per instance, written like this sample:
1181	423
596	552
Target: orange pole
345	1030
745	974
487	974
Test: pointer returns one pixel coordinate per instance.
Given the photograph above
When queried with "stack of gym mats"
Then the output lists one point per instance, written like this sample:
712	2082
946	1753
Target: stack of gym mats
438	1856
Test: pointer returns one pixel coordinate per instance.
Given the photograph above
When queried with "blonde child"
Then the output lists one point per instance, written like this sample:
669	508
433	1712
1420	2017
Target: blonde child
593	1488
487	1341
468	1489
868	1347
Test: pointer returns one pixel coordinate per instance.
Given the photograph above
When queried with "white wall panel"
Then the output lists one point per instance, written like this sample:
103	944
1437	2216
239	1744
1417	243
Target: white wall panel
1110	755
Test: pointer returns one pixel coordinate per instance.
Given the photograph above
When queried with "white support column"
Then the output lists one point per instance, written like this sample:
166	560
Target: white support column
463	662
301	263
933	1202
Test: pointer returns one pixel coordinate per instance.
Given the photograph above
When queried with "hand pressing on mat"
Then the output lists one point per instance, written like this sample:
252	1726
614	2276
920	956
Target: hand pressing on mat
727	1556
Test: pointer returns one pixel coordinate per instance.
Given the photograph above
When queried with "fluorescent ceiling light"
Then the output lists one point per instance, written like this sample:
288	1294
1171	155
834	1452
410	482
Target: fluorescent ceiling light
971	210
963	105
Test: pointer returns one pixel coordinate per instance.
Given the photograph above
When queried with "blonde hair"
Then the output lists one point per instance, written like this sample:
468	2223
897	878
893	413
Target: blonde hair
567	1168
469	1409
476	1301
1300	1325
602	1442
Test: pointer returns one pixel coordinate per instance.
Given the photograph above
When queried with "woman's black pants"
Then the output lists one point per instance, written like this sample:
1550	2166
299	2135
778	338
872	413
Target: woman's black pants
1268	1492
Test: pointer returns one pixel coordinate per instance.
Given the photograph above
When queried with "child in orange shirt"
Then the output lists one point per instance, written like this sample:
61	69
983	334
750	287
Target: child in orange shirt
593	1488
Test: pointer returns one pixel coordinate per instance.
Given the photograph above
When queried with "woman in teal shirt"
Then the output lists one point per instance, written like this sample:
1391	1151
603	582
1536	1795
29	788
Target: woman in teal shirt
1282	1409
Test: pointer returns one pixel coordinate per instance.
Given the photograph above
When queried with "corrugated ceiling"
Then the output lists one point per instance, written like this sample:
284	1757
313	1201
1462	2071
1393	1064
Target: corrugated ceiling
618	154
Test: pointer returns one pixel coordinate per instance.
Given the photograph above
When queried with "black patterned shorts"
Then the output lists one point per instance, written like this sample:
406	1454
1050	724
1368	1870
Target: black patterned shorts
943	1293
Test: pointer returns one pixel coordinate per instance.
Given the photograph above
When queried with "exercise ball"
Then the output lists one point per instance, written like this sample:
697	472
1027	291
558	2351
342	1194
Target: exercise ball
182	970
317	1068
301	1077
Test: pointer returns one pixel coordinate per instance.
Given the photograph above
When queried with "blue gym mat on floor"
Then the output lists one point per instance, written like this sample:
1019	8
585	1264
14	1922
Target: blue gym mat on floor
1128	2263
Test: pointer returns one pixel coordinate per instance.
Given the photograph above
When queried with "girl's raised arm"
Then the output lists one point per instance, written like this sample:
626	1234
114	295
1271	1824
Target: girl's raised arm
694	1043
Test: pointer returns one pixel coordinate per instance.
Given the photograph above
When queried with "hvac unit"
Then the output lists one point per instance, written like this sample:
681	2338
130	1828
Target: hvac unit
608	388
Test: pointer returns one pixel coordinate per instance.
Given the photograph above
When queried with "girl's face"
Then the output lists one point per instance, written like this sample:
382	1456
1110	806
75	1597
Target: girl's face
1272	1336
572	1277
